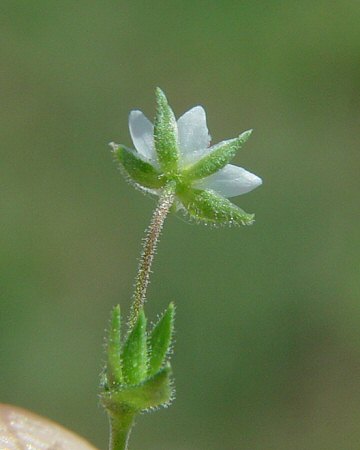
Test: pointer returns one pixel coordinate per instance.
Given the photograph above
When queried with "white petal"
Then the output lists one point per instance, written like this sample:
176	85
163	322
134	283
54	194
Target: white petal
142	134
193	132
229	181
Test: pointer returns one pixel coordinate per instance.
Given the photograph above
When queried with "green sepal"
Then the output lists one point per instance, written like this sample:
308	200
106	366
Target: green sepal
211	208
217	158
152	393
114	375
165	134
160	340
138	170
134	356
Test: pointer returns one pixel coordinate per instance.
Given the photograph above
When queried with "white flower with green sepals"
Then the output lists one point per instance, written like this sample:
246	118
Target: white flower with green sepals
179	152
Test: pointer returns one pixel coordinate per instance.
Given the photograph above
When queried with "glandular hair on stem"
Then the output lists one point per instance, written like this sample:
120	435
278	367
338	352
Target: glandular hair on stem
148	252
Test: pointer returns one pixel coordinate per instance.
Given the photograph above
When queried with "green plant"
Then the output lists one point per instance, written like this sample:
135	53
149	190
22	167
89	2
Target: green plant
174	161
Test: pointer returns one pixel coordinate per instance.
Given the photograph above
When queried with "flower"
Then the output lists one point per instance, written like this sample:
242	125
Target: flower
179	152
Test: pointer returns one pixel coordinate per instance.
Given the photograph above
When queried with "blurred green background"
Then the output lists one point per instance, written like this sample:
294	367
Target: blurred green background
275	361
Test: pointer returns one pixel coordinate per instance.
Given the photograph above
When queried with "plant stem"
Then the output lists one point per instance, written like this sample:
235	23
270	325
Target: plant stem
120	428
150	242
122	421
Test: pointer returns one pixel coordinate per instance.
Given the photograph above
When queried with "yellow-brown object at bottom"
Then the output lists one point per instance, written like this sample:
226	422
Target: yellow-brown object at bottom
21	429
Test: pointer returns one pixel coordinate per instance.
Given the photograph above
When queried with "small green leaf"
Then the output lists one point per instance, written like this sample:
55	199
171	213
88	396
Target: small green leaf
217	158
152	393
134	355
114	370
160	340
211	208
165	134
138	170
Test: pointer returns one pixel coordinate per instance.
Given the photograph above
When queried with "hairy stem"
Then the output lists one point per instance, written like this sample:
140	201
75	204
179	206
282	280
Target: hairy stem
150	242
120	428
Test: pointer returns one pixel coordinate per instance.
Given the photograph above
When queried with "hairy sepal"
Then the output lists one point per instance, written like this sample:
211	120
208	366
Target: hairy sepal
154	392
140	171
165	134
160	339
216	158
213	209
114	375
134	355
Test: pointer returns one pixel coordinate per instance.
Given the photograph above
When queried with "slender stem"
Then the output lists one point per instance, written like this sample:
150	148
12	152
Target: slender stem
150	242
121	421
120	429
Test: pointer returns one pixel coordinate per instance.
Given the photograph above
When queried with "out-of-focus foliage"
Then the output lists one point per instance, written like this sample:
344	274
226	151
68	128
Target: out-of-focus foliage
276	361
